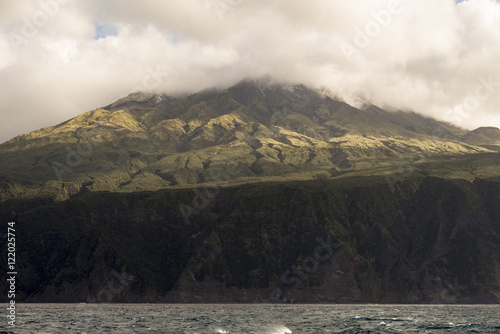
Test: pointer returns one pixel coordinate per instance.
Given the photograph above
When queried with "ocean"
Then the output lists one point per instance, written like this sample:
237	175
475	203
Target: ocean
256	318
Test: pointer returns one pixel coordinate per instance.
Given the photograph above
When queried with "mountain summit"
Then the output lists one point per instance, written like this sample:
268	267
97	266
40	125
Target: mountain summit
151	141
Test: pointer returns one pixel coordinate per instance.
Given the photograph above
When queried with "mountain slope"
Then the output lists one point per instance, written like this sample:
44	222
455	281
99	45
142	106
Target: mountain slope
488	137
151	142
259	193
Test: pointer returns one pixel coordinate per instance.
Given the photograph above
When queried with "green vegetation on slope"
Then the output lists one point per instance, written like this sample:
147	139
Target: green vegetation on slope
151	142
258	193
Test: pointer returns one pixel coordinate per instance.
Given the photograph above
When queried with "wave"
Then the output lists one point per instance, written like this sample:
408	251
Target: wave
281	330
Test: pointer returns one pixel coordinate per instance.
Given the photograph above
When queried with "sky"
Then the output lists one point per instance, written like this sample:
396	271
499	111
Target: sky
61	58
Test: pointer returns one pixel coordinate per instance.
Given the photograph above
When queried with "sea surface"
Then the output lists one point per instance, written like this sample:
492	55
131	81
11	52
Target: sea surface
261	319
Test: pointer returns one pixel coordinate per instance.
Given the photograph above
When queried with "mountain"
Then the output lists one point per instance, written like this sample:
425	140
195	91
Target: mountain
152	142
488	137
262	192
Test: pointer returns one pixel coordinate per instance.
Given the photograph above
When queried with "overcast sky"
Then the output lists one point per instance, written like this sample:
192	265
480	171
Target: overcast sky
60	58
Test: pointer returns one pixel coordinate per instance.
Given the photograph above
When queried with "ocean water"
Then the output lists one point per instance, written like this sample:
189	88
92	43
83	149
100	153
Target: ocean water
259	319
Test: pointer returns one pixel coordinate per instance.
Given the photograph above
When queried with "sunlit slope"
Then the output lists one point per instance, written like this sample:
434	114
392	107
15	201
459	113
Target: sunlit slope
151	142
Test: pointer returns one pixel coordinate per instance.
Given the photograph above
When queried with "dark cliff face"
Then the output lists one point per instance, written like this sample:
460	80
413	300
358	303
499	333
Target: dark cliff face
263	192
427	240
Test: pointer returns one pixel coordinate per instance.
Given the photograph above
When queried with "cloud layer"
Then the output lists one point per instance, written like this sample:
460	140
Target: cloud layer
60	58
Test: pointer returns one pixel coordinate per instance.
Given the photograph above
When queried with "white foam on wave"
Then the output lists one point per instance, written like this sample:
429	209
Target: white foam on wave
222	331
281	330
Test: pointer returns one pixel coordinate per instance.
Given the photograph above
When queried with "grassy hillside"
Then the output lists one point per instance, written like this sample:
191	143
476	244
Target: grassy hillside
149	142
259	193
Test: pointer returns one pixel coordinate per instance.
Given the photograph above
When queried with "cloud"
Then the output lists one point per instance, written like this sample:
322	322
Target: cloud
60	58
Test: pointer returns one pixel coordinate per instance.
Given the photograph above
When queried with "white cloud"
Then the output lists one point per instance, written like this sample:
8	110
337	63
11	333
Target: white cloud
428	56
